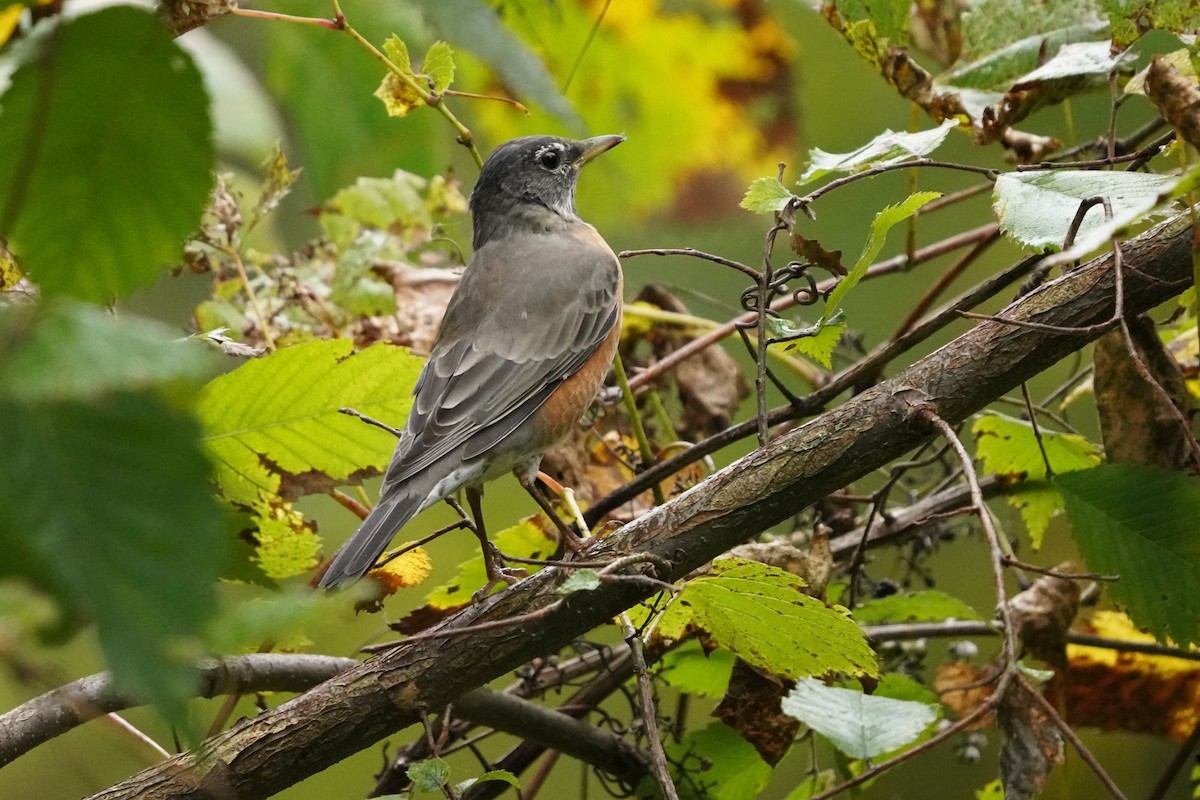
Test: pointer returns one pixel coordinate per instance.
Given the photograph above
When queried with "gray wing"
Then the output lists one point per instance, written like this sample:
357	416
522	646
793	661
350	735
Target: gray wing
528	313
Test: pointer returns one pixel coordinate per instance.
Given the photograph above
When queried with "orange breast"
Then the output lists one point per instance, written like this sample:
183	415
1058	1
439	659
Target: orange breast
571	399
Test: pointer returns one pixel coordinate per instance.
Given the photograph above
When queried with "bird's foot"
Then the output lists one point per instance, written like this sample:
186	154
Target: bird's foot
497	572
571	541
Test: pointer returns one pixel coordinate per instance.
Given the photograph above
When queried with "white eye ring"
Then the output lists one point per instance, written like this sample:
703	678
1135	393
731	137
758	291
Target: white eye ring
550	157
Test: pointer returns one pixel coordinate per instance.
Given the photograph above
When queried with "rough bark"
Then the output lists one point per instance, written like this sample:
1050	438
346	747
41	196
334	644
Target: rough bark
388	692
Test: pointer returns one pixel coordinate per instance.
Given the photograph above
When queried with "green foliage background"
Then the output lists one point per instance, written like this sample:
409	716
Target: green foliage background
312	89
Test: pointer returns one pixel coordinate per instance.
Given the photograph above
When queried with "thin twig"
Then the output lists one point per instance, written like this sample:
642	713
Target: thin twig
646	690
1042	411
995	546
1010	561
587	44
466	630
397	432
990	174
1037	430
694	253
761	312
236	257
139	735
1165	399
1085	330
954	198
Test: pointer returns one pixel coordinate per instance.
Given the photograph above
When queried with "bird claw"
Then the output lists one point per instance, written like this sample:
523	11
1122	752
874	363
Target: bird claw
497	573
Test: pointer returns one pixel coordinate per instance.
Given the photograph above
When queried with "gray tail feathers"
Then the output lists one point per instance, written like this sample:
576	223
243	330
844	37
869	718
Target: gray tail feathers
360	551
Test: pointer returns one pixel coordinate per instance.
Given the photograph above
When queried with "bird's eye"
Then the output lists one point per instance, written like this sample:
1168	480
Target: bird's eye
550	158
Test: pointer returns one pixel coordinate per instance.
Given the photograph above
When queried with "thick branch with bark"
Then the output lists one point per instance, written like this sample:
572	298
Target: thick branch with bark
392	690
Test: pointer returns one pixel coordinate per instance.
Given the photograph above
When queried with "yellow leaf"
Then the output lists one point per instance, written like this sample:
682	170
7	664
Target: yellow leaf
287	544
397	95
1137	692
10	273
405	570
9	17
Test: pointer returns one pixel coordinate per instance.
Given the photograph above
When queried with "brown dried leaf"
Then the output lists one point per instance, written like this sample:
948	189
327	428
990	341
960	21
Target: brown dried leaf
422	294
814	567
1177	97
1027	148
182	16
963	688
1042	615
1137	424
810	250
1134	692
751	707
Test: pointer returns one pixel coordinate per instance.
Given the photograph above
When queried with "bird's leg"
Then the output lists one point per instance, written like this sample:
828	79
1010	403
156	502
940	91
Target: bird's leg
493	559
527	477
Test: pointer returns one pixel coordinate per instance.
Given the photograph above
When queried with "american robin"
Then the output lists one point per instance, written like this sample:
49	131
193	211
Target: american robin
523	348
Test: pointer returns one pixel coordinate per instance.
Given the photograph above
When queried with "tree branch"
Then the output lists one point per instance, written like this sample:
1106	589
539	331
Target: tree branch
57	711
357	708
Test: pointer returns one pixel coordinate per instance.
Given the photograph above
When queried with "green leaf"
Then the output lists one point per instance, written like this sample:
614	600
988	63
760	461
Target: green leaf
1037	208
883	222
888	147
860	725
1131	20
693	670
74	351
284	408
439	66
396	50
1141	523
1005	41
1073	61
813	785
1009	449
758	613
819	347
581	580
97	197
1036	676
285	543
429	775
378	203
898	686
766	196
717	764
110	500
915	607
501	775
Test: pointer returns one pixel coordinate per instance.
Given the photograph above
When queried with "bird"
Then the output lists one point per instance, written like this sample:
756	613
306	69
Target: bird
525	344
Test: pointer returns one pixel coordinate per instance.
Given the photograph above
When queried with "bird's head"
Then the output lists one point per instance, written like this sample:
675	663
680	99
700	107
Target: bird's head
541	170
